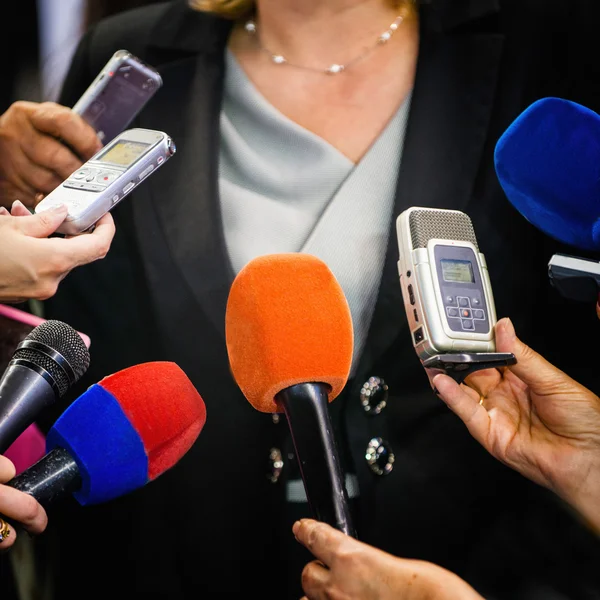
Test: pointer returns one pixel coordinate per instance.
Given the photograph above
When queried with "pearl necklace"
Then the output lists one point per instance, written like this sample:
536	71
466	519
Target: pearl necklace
334	68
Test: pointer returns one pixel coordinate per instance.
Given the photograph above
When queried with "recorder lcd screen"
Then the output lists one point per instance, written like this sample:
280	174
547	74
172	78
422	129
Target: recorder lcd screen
124	153
457	271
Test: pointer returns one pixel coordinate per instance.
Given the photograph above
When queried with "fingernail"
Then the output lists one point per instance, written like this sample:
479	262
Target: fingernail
295	527
58	208
509	328
17	203
3	211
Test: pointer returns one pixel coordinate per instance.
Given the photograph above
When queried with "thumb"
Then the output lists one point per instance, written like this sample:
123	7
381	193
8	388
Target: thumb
531	368
42	224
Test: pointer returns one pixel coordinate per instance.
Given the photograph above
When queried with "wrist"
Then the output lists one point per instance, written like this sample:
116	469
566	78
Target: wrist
586	500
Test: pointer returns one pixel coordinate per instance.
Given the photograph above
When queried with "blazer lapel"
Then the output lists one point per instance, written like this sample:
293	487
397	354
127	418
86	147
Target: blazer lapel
184	193
450	113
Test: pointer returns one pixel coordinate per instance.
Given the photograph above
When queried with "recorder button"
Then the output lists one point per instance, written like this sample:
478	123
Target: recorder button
452	312
450	300
463	302
468	324
106	177
115	198
128	187
80	174
475	302
146	172
478	314
465	313
411	294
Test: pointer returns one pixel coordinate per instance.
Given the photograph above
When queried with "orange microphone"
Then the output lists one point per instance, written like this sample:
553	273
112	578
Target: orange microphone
289	339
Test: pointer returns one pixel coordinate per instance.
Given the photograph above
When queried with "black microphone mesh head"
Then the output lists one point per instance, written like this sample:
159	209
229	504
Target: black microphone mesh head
67	342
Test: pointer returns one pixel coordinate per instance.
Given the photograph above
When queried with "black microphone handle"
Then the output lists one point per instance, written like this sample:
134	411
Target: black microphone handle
51	478
306	407
24	391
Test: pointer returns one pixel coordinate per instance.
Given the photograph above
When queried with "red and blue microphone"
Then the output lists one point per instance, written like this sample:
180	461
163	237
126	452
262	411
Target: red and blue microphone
119	435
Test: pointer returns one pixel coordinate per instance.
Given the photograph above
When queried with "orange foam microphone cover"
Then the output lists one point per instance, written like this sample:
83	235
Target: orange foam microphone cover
287	322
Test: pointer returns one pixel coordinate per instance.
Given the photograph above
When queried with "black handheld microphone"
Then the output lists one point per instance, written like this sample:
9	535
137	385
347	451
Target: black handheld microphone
289	339
44	366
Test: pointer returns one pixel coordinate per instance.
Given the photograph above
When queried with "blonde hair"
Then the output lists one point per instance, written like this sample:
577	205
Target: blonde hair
235	9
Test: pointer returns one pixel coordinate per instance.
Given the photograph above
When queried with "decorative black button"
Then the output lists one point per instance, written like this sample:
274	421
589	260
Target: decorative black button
374	395
379	456
276	464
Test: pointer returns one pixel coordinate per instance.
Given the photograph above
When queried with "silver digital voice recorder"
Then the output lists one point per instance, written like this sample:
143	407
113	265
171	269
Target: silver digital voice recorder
110	175
445	283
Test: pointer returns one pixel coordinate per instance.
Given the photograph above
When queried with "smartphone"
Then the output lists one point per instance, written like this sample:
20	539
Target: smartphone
575	278
110	175
118	94
445	283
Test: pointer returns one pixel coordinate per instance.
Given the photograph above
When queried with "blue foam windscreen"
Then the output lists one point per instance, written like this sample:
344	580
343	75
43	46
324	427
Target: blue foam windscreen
548	164
108	450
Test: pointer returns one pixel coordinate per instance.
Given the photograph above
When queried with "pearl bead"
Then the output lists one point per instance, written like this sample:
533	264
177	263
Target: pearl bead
335	68
385	36
250	27
278	59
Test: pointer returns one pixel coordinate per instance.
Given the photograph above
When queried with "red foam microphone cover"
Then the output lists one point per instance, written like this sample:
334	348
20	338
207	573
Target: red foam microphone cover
164	408
287	322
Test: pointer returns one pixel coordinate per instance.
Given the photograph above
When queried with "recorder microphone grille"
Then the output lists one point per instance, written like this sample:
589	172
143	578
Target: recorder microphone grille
433	224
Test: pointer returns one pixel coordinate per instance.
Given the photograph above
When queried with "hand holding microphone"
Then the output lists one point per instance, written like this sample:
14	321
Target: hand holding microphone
347	568
31	264
289	340
17	506
536	419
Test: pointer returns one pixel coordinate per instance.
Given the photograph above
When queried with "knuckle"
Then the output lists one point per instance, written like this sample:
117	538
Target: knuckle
20	106
314	535
306	576
29	509
47	290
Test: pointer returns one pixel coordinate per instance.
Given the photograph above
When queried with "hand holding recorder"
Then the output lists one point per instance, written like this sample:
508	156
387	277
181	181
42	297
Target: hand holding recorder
108	177
31	264
536	419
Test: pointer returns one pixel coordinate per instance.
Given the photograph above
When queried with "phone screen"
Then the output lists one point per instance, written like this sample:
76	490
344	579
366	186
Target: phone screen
113	108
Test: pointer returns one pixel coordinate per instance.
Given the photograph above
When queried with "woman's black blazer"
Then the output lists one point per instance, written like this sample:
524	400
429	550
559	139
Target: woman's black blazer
215	525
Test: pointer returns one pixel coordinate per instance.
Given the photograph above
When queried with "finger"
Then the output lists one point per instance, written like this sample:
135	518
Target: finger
4	212
42	224
315	580
469	410
321	539
31	175
62	123
531	367
7	469
51	155
88	247
21	507
18	209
